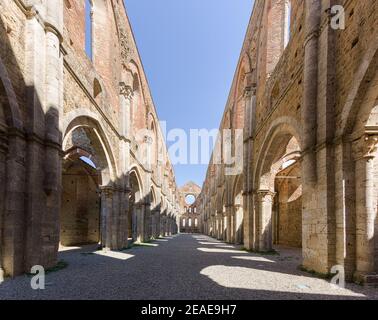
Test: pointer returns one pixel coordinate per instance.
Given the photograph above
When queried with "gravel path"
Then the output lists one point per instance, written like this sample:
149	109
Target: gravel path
180	267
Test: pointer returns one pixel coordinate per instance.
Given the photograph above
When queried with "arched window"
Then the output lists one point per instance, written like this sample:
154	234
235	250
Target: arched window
278	32
183	222
196	222
287	23
190	222
88	29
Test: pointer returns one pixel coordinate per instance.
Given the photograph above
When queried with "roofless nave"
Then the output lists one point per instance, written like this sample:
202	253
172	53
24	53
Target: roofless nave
83	159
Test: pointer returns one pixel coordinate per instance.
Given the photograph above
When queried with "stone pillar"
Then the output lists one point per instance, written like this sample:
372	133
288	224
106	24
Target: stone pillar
265	205
366	206
147	221
249	132
106	216
224	230
310	87
53	135
238	224
3	154
220	216
178	224
126	96
14	206
140	223
229	224
123	230
170	226
114	219
161	228
345	207
156	223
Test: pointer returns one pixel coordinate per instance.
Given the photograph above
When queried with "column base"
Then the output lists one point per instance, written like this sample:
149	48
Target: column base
366	279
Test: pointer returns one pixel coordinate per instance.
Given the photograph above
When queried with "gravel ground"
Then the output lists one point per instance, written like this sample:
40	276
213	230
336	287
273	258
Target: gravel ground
181	267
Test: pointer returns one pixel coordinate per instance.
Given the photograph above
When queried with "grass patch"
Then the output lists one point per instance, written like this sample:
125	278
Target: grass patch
87	253
144	244
59	266
263	253
147	244
326	276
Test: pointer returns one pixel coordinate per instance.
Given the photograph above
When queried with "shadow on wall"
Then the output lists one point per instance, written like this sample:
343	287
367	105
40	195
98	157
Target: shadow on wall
44	198
29	166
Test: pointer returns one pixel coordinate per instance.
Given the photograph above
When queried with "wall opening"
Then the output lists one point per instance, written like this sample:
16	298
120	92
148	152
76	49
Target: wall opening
89	29
80	213
287	23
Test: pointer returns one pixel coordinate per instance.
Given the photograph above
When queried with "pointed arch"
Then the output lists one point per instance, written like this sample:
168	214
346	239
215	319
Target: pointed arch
9	103
95	132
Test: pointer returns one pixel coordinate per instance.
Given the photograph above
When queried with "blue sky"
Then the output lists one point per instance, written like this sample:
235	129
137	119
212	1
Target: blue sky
189	50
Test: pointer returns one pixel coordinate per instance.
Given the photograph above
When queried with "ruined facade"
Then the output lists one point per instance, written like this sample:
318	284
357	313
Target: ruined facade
189	217
305	95
82	155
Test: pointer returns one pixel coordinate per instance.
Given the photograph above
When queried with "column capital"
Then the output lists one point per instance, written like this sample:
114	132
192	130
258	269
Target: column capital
107	190
126	90
249	91
262	194
366	147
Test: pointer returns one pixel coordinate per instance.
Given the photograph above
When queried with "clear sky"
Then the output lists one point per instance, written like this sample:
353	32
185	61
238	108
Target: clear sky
189	50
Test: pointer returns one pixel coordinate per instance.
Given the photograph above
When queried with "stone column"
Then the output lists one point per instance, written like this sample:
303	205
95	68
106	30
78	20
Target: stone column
238	223
161	232
140	223
123	231
114	219
366	206
13	248
156	223
43	76
106	216
310	87
229	224
170	226
126	96
220	218
249	132
3	153
147	220
265	205
53	136
224	230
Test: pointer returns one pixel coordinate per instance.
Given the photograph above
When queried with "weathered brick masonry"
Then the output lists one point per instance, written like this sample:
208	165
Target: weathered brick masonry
310	137
60	106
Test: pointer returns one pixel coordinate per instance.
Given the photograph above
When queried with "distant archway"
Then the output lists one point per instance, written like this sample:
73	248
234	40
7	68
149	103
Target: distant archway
136	221
279	195
238	215
87	167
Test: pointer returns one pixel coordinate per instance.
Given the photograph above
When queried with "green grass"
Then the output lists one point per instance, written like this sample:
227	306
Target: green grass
87	253
316	274
147	244
59	266
263	253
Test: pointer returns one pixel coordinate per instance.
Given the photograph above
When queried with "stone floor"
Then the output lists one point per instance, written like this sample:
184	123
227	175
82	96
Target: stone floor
180	267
